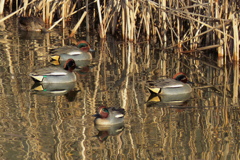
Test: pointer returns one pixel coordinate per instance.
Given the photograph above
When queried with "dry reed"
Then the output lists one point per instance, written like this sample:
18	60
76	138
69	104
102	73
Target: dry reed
1	6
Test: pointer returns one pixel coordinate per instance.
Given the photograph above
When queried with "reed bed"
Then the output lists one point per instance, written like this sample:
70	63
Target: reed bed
187	26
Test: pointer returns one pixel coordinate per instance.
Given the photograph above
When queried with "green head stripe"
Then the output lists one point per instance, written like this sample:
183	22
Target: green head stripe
82	45
105	110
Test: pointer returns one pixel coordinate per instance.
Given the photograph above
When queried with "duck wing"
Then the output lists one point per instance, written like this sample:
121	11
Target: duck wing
117	112
71	50
165	83
54	71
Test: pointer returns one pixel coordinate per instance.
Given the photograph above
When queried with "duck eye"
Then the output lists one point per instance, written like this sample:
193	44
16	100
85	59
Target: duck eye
180	77
71	63
105	110
82	45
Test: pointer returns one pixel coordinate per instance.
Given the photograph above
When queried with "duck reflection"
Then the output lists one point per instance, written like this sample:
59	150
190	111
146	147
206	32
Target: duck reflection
79	63
71	95
54	89
32	35
82	66
164	100
32	23
105	131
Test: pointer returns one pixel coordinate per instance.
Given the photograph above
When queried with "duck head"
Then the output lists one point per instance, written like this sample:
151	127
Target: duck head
109	116
103	112
84	46
181	77
70	65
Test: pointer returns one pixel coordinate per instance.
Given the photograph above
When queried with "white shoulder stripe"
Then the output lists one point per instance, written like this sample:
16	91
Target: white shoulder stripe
57	74
119	116
174	86
74	53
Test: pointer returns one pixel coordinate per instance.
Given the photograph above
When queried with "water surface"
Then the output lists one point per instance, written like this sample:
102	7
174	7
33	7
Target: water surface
38	125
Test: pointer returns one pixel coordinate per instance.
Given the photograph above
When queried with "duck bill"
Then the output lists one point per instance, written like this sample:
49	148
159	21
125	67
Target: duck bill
189	82
95	115
91	50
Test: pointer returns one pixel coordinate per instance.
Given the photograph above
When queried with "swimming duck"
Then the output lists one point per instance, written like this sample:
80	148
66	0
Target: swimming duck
175	86
109	116
31	24
79	52
56	74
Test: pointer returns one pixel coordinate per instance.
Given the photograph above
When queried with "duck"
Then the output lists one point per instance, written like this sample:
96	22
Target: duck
179	84
107	116
79	52
55	74
31	24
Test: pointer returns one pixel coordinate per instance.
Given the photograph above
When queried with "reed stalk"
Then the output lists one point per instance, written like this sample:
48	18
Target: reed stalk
47	12
87	18
15	12
63	13
123	20
44	11
164	18
101	27
2	6
235	23
236	82
78	24
128	23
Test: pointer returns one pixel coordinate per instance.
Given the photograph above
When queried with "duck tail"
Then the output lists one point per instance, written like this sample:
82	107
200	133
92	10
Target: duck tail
154	90
55	58
37	78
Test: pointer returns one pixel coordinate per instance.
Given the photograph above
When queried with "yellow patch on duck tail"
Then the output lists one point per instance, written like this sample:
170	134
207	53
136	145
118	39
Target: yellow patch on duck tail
155	90
55	58
154	99
38	78
38	88
54	62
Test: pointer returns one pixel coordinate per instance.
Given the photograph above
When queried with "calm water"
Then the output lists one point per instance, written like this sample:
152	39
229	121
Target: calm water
59	125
